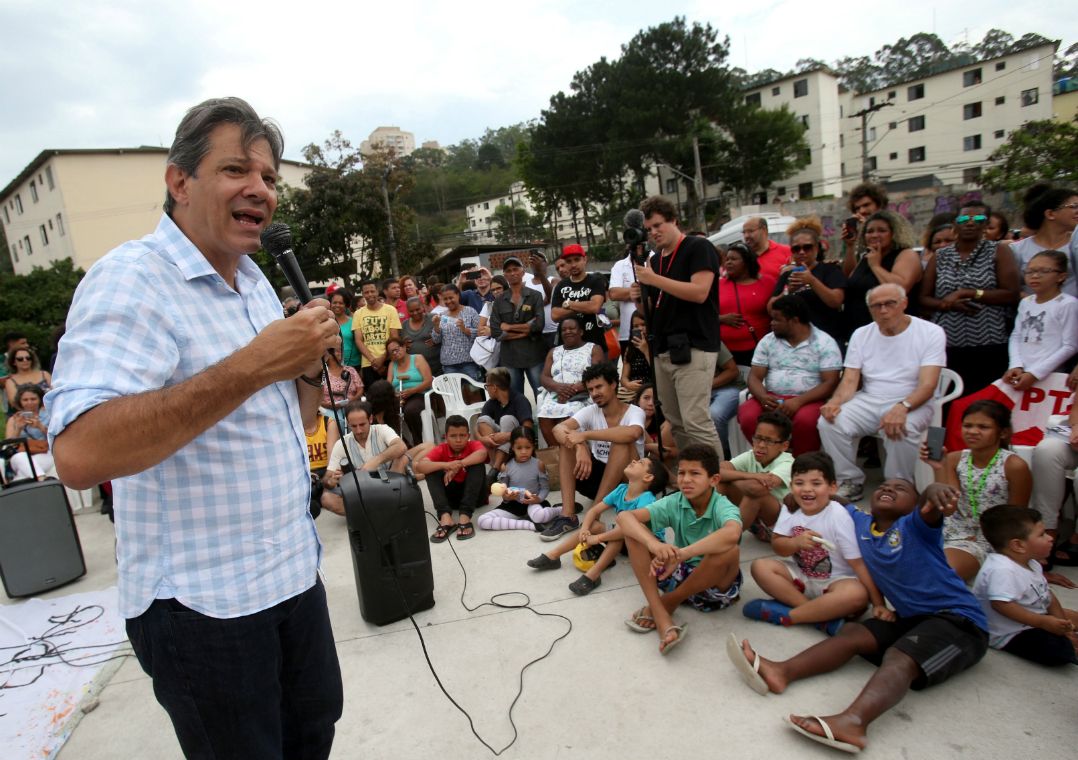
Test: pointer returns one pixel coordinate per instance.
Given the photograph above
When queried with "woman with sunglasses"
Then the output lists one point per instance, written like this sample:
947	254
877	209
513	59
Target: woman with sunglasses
24	368
747	292
1052	214
968	290
820	284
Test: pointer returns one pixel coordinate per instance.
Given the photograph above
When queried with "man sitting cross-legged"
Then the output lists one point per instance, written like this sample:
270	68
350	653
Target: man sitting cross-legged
597	444
940	629
701	566
367	447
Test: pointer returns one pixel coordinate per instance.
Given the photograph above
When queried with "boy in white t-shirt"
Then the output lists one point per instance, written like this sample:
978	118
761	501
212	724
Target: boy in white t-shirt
369	447
821	578
758	480
1024	617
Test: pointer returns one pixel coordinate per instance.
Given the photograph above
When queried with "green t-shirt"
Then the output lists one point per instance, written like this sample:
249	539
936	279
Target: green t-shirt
780	466
675	511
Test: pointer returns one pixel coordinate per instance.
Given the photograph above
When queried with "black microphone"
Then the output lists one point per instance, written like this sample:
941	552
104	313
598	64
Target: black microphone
634	233
277	240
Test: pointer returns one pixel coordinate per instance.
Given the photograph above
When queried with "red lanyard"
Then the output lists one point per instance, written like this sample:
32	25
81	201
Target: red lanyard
669	266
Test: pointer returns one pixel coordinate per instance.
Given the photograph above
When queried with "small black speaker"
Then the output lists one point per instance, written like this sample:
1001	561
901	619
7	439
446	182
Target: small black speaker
387	531
39	544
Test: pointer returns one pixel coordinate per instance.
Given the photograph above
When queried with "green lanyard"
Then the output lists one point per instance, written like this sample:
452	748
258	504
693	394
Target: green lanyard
974	495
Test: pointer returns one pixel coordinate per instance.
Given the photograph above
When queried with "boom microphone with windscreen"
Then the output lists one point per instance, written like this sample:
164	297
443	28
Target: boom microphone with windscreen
634	233
277	240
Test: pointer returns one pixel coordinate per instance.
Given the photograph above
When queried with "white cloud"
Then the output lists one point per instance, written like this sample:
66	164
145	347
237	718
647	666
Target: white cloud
121	72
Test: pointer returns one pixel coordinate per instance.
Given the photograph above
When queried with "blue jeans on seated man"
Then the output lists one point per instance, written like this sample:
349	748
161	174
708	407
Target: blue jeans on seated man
471	369
724	409
265	685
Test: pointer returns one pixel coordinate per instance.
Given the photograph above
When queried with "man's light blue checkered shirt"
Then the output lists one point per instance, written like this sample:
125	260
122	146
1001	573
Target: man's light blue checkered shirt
222	525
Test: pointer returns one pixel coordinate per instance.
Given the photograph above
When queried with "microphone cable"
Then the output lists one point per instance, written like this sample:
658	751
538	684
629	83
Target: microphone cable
492	602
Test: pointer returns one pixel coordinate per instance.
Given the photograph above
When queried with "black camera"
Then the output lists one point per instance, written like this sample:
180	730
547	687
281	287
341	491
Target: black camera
634	236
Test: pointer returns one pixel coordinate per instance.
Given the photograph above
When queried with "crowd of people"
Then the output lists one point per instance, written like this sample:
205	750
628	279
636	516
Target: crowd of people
176	355
810	355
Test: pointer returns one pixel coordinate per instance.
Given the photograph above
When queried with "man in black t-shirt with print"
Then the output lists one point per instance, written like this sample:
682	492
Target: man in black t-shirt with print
580	293
683	296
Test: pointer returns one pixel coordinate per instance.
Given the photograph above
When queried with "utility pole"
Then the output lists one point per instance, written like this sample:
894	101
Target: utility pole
698	183
864	114
389	223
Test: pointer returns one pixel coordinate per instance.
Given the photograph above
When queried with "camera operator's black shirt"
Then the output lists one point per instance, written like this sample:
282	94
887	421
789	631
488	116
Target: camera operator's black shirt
671	315
592	285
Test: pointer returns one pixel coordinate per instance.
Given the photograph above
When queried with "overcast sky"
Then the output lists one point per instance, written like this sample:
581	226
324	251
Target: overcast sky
110	73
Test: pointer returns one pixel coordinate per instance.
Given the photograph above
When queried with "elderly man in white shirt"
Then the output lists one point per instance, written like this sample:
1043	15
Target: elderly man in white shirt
896	361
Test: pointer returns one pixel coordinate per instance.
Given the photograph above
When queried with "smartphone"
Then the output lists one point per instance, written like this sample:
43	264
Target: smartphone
934	441
850	226
474	274
635	333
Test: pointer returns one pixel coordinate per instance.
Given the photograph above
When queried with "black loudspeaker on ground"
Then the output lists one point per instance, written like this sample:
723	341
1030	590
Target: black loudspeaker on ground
39	545
390	549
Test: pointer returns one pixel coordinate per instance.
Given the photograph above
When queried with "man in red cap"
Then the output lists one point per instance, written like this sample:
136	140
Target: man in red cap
580	293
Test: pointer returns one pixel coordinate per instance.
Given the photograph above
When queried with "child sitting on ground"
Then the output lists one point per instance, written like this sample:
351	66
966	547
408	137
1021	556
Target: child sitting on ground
1024	617
647	478
824	579
939	632
758	480
524	488
701	566
986	474
461	463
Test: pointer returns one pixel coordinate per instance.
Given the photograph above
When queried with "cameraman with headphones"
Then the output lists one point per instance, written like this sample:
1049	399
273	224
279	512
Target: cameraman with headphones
682	306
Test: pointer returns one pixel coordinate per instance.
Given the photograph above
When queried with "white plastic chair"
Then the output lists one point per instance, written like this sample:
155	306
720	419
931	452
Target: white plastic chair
450	389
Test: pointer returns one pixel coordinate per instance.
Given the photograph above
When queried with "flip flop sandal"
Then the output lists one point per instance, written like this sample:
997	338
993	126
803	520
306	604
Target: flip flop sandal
829	740
442	533
465	531
749	672
681	632
635	621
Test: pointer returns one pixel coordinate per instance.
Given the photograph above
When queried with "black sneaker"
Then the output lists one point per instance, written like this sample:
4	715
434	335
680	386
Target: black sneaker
559	527
543	562
584	585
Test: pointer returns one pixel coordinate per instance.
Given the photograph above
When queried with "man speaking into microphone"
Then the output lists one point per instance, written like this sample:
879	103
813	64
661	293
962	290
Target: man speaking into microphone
683	321
179	381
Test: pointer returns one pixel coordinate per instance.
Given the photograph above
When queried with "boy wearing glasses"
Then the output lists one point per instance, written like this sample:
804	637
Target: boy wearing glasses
758	480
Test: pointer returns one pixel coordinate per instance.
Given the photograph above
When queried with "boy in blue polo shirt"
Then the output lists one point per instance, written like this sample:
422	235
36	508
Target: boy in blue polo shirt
939	631
701	566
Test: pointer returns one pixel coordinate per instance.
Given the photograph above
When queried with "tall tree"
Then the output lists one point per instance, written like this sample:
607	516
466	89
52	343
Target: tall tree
919	56
760	147
1039	150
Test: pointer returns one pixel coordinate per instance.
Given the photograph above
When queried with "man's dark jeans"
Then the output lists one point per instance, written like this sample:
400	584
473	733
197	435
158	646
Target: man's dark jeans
266	685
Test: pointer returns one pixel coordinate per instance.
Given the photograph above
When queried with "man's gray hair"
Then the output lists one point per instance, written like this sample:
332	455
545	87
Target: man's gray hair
192	141
891	285
499	376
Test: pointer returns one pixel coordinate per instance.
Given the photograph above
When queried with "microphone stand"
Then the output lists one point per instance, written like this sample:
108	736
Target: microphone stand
646	312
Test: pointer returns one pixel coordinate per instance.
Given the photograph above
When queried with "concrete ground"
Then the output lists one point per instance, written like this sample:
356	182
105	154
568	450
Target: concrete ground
604	692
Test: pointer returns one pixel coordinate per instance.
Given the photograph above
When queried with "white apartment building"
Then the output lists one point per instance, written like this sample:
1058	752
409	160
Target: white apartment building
943	126
814	98
80	204
388	138
948	124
